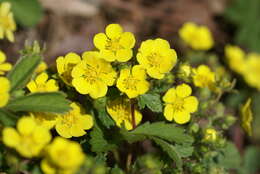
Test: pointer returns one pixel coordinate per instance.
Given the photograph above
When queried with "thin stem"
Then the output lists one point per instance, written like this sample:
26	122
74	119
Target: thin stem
133	112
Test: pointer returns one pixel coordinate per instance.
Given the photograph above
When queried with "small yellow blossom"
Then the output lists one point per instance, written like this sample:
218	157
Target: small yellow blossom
7	23
247	117
92	75
252	70
203	77
41	67
29	139
4	66
74	123
115	44
210	135
42	84
236	58
120	110
4	91
185	70
62	157
65	65
156	57
179	104
133	81
197	37
44	119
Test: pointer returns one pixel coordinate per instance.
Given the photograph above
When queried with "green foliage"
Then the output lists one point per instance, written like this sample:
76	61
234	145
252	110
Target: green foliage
151	100
7	118
40	102
22	71
245	14
27	12
251	160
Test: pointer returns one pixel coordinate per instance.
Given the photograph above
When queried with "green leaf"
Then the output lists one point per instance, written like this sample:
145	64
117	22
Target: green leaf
170	150
163	130
130	137
41	102
27	12
251	160
184	150
22	71
151	100
98	142
100	105
7	118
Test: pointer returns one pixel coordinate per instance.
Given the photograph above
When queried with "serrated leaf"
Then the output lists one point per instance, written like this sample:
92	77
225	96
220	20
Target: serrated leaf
7	118
170	150
131	137
151	100
41	102
183	150
163	130
98	142
27	12
100	105
22	71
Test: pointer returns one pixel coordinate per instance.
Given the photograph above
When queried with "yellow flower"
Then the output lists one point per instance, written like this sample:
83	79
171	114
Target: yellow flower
120	111
92	75
29	139
74	123
236	58
115	44
247	117
185	70
197	37
44	119
65	66
42	84
7	23
179	104
62	157
4	91
4	66
156	57
203	77
210	135
252	70
132	81
42	67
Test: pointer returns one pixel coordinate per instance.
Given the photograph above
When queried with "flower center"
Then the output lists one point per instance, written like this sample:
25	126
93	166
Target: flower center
130	83
113	45
67	74
69	119
154	59
91	73
178	104
123	110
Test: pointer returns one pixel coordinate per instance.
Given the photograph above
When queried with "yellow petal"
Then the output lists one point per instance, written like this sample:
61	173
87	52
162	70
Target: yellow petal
41	135
2	56
154	73
183	90
10	137
191	104
107	55
114	31
72	58
4	97
124	55
9	35
47	168
100	41
60	63
32	86
181	117
99	89
5	8
5	85
26	125
63	130
168	112
81	85
42	78
52	85
127	40
139	72
77	131
87	121
170	96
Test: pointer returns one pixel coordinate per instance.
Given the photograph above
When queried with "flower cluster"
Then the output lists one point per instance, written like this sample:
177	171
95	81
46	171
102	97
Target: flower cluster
248	65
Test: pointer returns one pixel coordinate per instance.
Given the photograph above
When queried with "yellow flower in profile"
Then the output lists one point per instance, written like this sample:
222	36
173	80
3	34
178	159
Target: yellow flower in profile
236	58
203	77
133	81
120	111
210	135
41	67
42	84
115	44
7	23
197	37
252	70
247	117
44	119
62	156
74	123
92	75
156	57
179	104
65	65
29	139
4	91
4	66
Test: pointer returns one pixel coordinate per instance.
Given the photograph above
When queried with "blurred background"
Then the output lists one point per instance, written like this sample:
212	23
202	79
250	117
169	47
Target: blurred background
63	26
